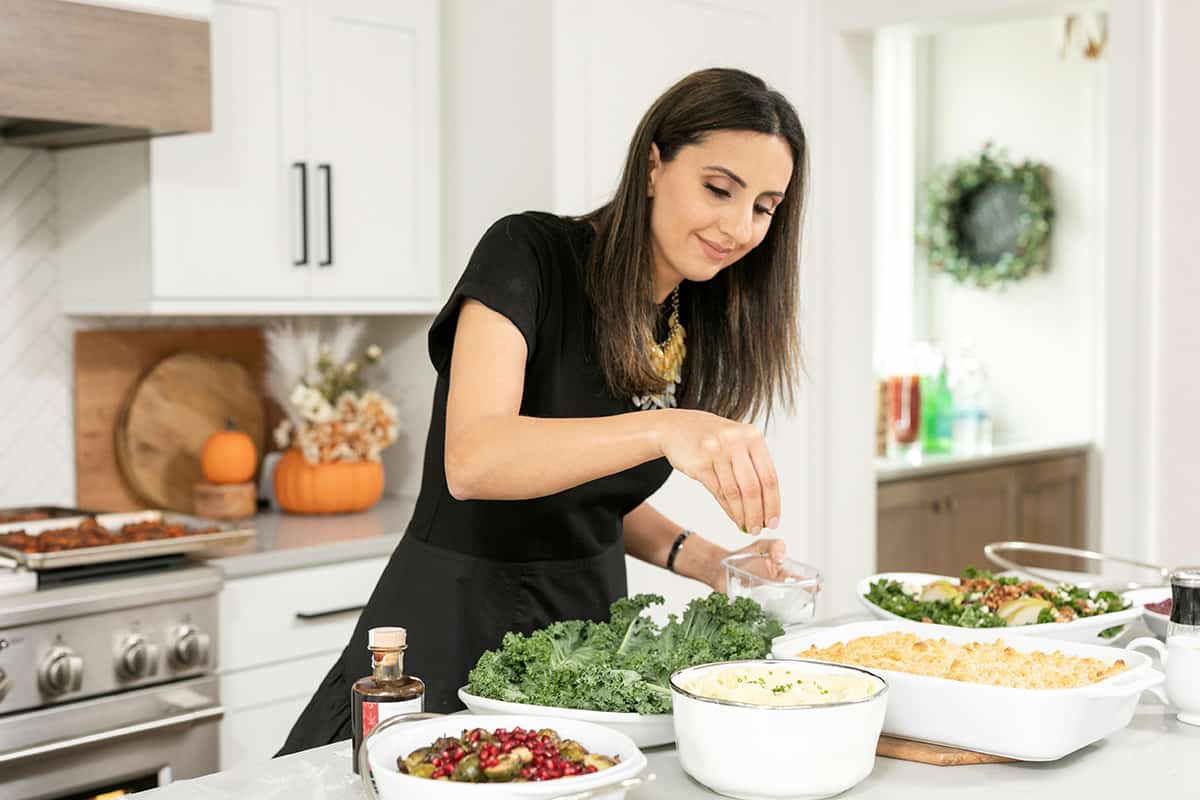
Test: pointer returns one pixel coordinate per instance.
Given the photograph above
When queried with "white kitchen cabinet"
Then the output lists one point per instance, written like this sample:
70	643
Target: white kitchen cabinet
373	72
280	633
315	192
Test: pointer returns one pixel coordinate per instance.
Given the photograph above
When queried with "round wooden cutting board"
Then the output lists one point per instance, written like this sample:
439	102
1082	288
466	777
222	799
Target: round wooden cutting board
170	413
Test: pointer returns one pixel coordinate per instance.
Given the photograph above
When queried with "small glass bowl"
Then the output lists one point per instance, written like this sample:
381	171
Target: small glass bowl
786	590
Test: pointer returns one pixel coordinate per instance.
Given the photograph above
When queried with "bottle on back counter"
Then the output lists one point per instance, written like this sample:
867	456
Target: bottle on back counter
387	691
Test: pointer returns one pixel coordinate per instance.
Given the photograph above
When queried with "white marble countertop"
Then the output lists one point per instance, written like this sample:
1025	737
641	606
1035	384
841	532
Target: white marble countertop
1155	753
890	469
291	541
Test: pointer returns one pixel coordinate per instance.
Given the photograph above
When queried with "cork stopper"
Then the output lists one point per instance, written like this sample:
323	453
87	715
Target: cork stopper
386	638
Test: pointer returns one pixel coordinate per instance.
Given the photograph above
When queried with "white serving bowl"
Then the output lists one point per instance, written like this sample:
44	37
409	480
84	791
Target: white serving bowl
1085	630
646	730
1024	724
384	748
768	752
1155	621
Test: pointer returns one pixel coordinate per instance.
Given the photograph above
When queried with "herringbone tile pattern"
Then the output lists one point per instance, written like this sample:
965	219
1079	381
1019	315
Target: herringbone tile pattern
36	454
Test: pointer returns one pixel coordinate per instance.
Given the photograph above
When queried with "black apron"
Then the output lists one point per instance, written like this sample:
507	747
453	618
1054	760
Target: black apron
467	572
455	607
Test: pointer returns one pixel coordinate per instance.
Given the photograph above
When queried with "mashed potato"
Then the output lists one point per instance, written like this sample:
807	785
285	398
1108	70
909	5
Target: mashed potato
779	685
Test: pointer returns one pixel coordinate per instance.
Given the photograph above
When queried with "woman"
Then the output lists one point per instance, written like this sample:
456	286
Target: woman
563	399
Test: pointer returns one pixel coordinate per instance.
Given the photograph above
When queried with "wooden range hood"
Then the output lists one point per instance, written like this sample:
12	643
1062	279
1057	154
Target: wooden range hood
75	74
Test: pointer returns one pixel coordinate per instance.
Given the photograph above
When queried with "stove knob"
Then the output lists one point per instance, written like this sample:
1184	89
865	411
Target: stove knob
137	658
5	684
190	648
61	671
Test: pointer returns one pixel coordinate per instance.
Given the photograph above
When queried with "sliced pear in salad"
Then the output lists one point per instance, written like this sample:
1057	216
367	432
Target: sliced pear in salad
1022	610
940	590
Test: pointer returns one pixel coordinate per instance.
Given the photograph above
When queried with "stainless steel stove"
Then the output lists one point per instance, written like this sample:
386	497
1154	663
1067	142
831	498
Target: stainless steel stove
109	685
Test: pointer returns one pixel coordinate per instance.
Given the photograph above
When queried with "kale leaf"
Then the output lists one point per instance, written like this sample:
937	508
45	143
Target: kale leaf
623	664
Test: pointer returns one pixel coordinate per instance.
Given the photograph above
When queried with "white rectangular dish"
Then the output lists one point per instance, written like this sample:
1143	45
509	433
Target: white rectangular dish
1024	724
1085	630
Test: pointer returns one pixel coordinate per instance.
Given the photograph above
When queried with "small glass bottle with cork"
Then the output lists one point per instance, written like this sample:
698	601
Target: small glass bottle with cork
387	691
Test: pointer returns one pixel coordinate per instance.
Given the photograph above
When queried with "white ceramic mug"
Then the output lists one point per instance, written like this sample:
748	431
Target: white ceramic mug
1181	660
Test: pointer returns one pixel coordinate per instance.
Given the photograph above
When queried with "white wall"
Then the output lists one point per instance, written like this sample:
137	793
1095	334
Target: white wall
498	118
1174	399
1006	83
611	61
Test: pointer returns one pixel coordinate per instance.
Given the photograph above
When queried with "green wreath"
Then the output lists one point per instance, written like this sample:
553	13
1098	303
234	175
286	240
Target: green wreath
986	220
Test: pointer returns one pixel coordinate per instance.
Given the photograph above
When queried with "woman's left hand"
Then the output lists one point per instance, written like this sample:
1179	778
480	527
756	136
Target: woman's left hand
769	566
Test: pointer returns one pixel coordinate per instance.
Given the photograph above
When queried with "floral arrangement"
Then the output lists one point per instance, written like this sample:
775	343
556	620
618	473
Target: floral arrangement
322	382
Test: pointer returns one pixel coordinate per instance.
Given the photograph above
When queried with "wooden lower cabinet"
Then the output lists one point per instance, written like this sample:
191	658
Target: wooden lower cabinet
941	524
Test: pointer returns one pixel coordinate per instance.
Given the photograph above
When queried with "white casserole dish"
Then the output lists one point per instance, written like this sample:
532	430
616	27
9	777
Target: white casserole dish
646	730
385	747
1085	630
1025	724
758	752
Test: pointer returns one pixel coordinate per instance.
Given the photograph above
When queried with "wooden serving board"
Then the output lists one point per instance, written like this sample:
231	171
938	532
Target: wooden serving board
108	364
171	412
936	754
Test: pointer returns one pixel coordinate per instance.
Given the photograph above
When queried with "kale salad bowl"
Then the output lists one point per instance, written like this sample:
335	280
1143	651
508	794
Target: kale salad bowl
981	600
616	672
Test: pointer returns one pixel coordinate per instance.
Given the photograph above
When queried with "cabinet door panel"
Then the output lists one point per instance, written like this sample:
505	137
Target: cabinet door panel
226	211
912	526
941	524
1052	507
263	703
374	79
980	504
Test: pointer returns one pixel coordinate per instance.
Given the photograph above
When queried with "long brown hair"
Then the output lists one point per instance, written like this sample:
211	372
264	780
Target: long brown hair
742	328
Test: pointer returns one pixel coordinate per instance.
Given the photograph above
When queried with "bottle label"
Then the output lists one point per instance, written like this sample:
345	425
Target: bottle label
375	713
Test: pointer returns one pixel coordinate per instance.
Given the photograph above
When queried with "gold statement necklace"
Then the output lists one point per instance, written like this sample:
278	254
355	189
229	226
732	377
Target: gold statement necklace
667	360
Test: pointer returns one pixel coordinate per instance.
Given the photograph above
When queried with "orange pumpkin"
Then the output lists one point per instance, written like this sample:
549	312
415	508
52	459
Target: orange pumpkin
338	487
229	456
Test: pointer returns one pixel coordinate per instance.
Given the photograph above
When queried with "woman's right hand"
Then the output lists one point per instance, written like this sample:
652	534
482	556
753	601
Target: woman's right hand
730	459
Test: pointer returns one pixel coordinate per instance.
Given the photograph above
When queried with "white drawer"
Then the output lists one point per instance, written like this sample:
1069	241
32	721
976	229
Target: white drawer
288	615
262	704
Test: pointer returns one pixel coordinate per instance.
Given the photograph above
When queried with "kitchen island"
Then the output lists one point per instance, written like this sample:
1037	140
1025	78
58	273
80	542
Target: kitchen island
1155	753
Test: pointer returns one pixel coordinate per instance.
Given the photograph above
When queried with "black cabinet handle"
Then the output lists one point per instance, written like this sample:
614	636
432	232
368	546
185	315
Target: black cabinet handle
303	214
328	170
333	612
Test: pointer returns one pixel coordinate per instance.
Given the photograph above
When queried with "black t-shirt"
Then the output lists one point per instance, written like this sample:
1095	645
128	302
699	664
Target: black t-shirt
529	267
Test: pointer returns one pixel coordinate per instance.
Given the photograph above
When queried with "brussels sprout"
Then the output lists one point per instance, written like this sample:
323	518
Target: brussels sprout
572	750
523	754
550	734
424	770
476	738
508	766
598	761
414	758
445	743
469	771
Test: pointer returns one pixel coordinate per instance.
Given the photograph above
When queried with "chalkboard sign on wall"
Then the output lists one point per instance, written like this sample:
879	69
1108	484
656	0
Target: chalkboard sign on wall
987	221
